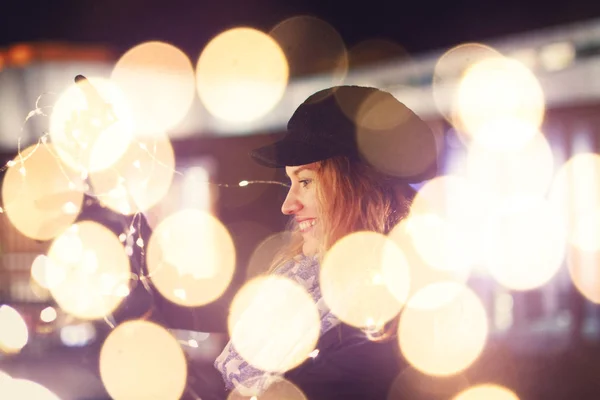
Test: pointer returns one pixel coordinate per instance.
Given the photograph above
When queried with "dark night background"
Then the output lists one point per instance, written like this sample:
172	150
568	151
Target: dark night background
416	25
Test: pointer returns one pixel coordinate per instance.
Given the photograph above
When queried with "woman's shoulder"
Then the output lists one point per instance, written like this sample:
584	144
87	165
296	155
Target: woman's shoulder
347	341
347	361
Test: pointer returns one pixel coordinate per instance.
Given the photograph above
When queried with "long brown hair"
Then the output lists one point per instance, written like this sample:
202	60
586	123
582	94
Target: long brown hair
352	196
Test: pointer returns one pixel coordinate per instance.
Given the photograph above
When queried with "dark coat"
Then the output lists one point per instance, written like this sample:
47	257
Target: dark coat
348	366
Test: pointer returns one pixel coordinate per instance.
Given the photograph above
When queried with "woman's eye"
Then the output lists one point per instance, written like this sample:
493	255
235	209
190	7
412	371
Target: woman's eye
305	182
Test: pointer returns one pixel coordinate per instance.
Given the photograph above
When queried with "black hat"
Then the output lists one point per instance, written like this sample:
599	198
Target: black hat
361	123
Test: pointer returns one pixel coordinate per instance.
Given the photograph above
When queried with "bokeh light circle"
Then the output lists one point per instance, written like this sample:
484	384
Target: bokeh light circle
446	337
500	103
312	47
584	270
142	360
14	333
586	233
377	50
365	279
241	75
95	268
45	273
445	222
91	125
4	377
527	170
452	64
575	193
273	323
48	314
262	257
158	80
384	128
40	195
17	389
191	257
140	179
278	389
487	392
421	273
524	243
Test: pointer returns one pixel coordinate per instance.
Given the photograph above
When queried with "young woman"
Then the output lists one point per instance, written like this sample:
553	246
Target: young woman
350	153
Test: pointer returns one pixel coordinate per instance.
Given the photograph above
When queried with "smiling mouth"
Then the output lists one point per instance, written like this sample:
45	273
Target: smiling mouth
306	225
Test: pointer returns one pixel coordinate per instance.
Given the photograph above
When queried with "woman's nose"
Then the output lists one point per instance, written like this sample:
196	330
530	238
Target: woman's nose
291	204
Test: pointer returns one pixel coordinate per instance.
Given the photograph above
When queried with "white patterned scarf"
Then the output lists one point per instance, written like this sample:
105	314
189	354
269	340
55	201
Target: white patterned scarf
238	373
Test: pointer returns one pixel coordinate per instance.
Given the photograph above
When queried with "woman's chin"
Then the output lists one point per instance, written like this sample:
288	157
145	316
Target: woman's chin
309	248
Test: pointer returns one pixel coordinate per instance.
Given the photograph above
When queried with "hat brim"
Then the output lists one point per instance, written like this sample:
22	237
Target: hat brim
291	153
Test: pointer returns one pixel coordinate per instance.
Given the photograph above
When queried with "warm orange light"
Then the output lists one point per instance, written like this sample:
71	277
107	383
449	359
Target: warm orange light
448	335
14	333
158	80
191	257
241	75
486	392
94	267
142	360
312	47
265	330
365	279
500	103
40	195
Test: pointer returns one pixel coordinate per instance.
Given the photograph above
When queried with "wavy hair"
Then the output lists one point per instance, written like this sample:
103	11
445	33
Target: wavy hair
352	196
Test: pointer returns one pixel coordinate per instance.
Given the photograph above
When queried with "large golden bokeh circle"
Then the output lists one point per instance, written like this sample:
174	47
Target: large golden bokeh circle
241	75
191	257
140	360
41	196
94	268
274	323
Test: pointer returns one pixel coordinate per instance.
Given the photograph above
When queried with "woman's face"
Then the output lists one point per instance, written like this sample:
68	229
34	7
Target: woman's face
301	202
